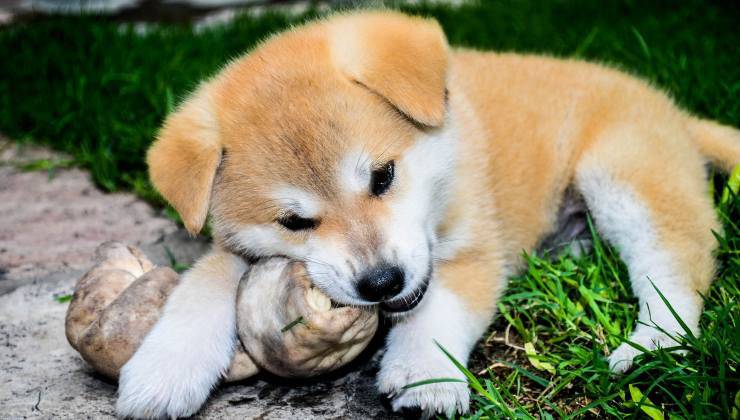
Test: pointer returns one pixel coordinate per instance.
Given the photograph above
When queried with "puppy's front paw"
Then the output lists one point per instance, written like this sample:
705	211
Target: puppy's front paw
447	398
622	358
176	367
153	385
190	347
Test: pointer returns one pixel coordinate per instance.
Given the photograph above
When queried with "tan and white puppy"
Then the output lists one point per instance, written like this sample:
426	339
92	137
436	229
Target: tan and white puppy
411	175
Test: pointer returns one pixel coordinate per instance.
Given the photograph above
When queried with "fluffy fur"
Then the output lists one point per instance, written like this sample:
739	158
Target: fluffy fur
624	220
485	146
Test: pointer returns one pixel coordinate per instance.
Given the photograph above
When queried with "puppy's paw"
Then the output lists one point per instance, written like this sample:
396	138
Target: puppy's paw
622	358
446	398
172	374
159	398
157	385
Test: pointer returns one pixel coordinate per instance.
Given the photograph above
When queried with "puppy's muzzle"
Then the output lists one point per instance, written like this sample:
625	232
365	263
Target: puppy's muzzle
381	283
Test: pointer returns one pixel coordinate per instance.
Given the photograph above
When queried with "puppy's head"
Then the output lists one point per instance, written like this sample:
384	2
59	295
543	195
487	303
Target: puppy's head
327	144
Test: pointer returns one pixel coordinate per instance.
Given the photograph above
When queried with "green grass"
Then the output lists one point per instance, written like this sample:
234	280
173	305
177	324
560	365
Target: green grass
98	91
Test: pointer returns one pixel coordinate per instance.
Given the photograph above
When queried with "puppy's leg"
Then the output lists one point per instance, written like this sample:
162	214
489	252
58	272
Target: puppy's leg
650	202
189	348
453	317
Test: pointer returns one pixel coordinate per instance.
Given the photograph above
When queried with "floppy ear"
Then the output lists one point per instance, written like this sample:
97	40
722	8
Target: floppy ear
399	57
184	158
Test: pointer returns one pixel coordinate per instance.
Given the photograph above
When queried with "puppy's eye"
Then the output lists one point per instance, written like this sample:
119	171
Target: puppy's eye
295	223
381	179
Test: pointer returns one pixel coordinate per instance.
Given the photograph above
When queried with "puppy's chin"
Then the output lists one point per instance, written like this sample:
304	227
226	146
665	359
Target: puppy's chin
340	298
404	304
407	304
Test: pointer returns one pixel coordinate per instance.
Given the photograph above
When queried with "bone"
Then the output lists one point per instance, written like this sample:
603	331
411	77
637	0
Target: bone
325	339
120	299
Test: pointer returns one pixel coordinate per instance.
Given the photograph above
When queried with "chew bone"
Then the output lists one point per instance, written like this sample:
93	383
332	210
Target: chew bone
115	304
120	299
299	334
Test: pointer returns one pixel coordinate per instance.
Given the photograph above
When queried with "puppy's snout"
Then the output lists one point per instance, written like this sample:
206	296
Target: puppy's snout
381	283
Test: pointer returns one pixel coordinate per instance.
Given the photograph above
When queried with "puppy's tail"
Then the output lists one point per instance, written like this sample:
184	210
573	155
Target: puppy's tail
719	143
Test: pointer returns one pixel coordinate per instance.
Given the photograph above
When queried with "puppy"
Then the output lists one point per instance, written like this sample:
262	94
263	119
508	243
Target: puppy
409	175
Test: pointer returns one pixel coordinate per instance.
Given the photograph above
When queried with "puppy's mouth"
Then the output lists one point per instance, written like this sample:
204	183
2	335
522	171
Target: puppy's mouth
406	303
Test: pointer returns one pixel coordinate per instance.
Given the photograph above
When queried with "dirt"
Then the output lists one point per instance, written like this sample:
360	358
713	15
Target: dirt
50	223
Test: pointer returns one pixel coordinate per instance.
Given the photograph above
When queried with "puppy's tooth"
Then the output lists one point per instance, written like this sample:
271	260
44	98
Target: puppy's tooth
317	300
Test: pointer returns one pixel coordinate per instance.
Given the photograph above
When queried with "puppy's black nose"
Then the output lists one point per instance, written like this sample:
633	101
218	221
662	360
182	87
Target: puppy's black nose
381	283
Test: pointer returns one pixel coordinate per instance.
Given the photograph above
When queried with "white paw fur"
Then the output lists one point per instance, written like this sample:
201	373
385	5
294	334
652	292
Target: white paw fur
189	348
168	383
622	358
413	356
447	398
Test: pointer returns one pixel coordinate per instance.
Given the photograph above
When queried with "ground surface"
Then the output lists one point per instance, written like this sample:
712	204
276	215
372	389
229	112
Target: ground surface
50	225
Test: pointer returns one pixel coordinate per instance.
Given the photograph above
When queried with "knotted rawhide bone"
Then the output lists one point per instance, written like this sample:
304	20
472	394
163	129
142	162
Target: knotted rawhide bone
285	325
301	334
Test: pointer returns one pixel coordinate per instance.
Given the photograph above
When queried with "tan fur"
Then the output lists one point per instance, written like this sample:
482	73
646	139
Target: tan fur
287	113
402	59
311	131
719	143
183	160
540	115
534	118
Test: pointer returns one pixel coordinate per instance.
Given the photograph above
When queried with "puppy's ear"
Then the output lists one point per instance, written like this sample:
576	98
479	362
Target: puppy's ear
184	158
399	57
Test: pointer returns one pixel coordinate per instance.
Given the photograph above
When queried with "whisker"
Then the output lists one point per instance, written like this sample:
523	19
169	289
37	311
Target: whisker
393	143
